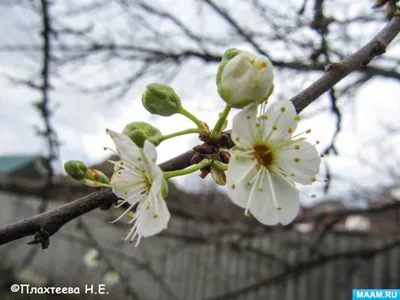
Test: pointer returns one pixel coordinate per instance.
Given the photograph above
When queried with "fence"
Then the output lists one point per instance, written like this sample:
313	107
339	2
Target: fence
196	259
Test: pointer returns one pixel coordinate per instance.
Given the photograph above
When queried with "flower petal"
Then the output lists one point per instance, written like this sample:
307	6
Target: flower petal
150	152
241	167
128	184
244	130
275	191
301	161
127	149
279	121
155	215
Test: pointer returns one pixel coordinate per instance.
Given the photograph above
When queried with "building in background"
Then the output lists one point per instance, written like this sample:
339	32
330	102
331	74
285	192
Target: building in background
209	251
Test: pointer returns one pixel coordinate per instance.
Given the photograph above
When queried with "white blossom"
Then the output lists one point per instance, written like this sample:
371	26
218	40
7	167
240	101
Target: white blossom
111	278
267	161
91	258
246	78
357	223
304	227
395	194
140	182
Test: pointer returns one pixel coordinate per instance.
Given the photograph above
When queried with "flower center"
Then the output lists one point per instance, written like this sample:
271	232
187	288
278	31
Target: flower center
263	155
147	184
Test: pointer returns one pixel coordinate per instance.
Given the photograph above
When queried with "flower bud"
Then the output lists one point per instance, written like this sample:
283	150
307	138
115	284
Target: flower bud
161	99
76	169
218	176
164	188
244	78
196	158
138	132
97	176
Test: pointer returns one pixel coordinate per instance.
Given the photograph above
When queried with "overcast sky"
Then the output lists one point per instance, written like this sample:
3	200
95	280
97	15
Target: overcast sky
81	119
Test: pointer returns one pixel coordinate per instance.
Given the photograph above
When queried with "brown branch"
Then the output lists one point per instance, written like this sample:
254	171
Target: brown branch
46	224
337	71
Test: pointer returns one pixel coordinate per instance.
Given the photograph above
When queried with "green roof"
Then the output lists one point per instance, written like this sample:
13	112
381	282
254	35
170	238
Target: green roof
12	163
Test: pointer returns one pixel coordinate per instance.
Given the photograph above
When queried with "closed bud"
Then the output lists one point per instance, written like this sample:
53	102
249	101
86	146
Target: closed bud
196	158
203	148
98	176
76	169
161	99
224	157
244	78
218	176
204	172
138	132
164	188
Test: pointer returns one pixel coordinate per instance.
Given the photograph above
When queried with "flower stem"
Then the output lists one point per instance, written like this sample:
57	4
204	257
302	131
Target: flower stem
219	166
194	168
191	117
93	183
222	117
178	133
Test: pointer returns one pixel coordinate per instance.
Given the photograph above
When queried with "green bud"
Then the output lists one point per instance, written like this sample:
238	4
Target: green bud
91	183
161	99
138	132
97	176
164	188
76	169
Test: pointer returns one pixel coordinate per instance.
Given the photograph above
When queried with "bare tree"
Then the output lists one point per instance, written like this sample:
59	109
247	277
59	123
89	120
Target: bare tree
310	41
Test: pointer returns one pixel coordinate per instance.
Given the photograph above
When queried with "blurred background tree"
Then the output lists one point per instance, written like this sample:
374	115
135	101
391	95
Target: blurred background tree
84	64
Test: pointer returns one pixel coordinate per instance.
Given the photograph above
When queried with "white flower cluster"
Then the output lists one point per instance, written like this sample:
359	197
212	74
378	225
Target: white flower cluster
265	163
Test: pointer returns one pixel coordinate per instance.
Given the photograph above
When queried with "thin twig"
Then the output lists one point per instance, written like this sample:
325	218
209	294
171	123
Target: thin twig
46	224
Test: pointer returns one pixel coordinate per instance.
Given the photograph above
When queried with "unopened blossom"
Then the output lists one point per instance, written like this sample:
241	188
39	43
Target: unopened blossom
267	161
140	182
244	78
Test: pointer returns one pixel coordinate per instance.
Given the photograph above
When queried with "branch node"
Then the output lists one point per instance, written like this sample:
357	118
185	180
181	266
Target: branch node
379	48
333	66
107	206
41	237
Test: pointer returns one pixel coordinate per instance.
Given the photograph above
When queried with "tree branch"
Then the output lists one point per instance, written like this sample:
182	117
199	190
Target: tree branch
46	224
337	71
